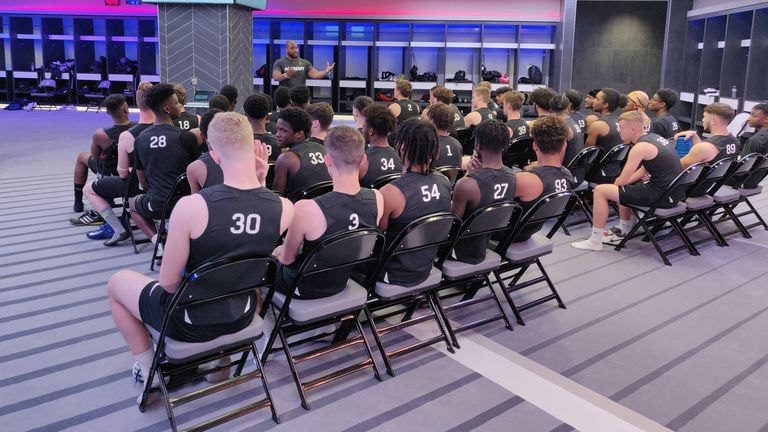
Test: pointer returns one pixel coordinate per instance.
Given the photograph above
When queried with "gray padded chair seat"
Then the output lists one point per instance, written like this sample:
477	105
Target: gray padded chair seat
699	202
302	311
750	192
535	246
178	350
457	269
582	186
726	194
677	210
389	291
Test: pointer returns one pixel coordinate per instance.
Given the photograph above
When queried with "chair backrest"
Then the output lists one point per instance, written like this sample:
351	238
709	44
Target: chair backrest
586	157
739	124
618	153
104	86
313	191
758	172
385	180
519	152
433	230
450	171
489	219
685	180
464	136
714	177
47	83
742	169
180	188
557	205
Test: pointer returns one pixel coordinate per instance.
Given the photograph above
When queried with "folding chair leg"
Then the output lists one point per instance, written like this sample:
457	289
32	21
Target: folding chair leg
273	334
757	215
655	244
729	210
495	296
267	392
367	347
560	303
441	315
294	371
241	362
377	339
438	318
684	237
710	226
511	303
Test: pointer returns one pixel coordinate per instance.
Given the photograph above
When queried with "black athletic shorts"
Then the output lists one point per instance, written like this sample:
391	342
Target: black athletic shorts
643	195
98	166
145	208
153	305
112	187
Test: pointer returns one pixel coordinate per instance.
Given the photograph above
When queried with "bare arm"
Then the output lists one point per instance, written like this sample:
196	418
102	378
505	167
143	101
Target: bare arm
464	193
99	143
196	175
307	220
394	203
124	148
596	130
185	221
283	167
631	171
316	74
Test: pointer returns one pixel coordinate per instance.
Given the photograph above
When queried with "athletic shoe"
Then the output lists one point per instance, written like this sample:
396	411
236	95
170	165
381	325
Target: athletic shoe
91	217
588	244
117	238
613	236
138	377
104	232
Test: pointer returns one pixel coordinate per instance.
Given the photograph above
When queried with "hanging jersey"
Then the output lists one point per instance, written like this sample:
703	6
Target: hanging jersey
109	163
408	109
187	121
312	169
554	179
381	161
665	167
450	152
273	149
580	119
495	185
424	194
727	146
665	126
163	152
214	175
458	118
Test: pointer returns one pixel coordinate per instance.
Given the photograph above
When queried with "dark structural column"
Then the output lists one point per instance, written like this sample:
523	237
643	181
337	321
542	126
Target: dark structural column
205	46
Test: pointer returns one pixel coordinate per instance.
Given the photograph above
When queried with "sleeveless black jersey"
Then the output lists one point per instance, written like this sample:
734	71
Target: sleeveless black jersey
580	119
135	131
728	146
273	149
408	109
342	213
665	166
496	185
451	152
312	168
109	163
381	161
271	127
316	140
163	152
458	118
519	128
486	113
609	141
665	126
214	175
187	121
554	179
574	145
424	194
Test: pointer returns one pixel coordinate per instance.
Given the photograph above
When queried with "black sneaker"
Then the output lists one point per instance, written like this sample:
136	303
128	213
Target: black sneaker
89	218
117	238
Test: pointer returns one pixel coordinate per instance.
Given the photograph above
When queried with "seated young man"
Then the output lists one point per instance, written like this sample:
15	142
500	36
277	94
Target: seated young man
720	144
665	125
358	105
442	117
102	159
651	155
439	94
381	159
512	102
101	192
256	108
480	110
162	153
301	163
487	182
574	110
205	172
220	102
347	207
321	114
419	192
300	97
603	132
186	121
758	119
214	224
403	107
282	99
575	139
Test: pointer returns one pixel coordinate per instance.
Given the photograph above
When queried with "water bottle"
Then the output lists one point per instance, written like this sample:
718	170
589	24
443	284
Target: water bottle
733	92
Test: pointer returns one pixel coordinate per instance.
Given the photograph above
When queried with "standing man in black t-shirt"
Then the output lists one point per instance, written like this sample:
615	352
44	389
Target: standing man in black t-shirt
418	192
720	144
102	158
403	108
758	119
237	218
346	208
665	124
186	120
321	114
301	164
293	71
480	110
651	155
450	154
256	108
380	158
162	153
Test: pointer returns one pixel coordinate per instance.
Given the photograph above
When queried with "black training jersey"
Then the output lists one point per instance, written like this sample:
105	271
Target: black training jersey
114	131
554	179
135	131
187	121
450	152
609	141
758	143
580	119
408	109
342	213
458	118
575	144
665	166
519	127
495	185
728	146
214	175
316	140
381	161
312	169
109	165
271	127
486	113
273	149
424	194
163	152
665	126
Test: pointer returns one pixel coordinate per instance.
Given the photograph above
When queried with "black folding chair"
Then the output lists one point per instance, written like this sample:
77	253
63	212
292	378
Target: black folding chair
700	199
744	183
180	189
133	182
520	254
614	157
450	171
466	279
178	362
340	253
651	219
578	166
519	153
385	180
436	231
96	98
313	191
45	92
465	137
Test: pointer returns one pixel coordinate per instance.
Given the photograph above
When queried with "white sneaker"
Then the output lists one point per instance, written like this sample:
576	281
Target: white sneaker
138	376
588	244
613	236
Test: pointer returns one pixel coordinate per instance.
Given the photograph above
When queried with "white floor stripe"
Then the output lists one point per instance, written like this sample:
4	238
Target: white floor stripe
751	242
